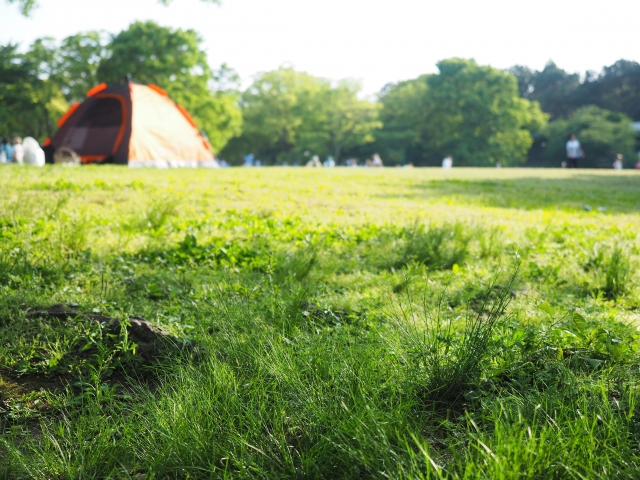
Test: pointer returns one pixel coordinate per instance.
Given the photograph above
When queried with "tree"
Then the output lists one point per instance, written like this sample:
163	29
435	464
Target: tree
469	111
173	60
477	116
29	105
602	134
72	66
403	115
555	89
287	113
616	87
347	121
275	109
27	6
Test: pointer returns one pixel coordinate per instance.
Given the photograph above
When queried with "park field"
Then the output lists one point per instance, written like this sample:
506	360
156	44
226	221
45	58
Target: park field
319	323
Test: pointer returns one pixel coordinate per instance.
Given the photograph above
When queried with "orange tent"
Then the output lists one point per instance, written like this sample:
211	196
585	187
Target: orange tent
132	124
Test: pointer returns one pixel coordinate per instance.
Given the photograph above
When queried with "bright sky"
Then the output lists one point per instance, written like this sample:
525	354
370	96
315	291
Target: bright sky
374	41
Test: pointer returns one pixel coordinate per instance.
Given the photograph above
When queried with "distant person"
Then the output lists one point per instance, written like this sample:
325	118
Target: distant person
3	152
314	162
329	162
574	151
248	160
447	162
617	163
8	149
33	154
376	160
368	163
498	165
18	150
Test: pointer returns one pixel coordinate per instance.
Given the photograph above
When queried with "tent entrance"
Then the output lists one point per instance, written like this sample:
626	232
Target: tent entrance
99	132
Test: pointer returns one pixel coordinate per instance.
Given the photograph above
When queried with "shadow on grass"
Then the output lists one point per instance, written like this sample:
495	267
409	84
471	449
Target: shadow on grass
617	193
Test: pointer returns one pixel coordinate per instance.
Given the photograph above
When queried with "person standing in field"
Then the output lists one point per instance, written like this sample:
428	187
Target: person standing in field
617	163
5	145
447	163
574	151
18	150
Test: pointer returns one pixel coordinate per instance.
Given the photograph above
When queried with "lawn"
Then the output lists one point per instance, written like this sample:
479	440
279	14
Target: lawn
331	323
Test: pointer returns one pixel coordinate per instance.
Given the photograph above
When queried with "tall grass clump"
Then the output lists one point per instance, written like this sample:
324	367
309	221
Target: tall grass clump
490	242
436	247
617	273
445	357
613	270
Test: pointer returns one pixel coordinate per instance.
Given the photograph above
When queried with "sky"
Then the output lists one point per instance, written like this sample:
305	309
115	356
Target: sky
373	41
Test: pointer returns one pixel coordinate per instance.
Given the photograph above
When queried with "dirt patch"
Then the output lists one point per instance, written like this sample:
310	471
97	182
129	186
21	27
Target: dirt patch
151	340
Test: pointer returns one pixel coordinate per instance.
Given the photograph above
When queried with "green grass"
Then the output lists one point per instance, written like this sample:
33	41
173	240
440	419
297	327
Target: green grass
340	323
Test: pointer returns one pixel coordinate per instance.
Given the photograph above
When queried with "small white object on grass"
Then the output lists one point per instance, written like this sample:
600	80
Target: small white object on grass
33	154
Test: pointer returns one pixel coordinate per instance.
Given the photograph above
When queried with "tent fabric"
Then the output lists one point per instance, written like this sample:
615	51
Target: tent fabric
132	124
161	134
98	129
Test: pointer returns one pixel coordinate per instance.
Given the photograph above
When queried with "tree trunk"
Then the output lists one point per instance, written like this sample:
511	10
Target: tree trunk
337	149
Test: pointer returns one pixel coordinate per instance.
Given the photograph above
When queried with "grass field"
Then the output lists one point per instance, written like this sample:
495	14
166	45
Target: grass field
345	323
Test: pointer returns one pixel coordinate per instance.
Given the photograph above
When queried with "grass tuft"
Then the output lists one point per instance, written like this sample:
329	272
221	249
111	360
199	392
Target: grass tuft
446	355
437	247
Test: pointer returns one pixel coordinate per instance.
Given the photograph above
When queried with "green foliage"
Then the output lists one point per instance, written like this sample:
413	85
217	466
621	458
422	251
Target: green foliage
560	93
350	122
404	112
602	135
477	117
72	65
617	88
287	113
469	111
552	87
27	102
27	6
276	109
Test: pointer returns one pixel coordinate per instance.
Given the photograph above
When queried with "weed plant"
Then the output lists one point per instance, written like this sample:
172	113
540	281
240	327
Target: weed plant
341	324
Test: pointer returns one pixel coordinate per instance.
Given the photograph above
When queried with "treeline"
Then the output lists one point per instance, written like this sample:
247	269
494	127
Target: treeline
598	108
478	114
